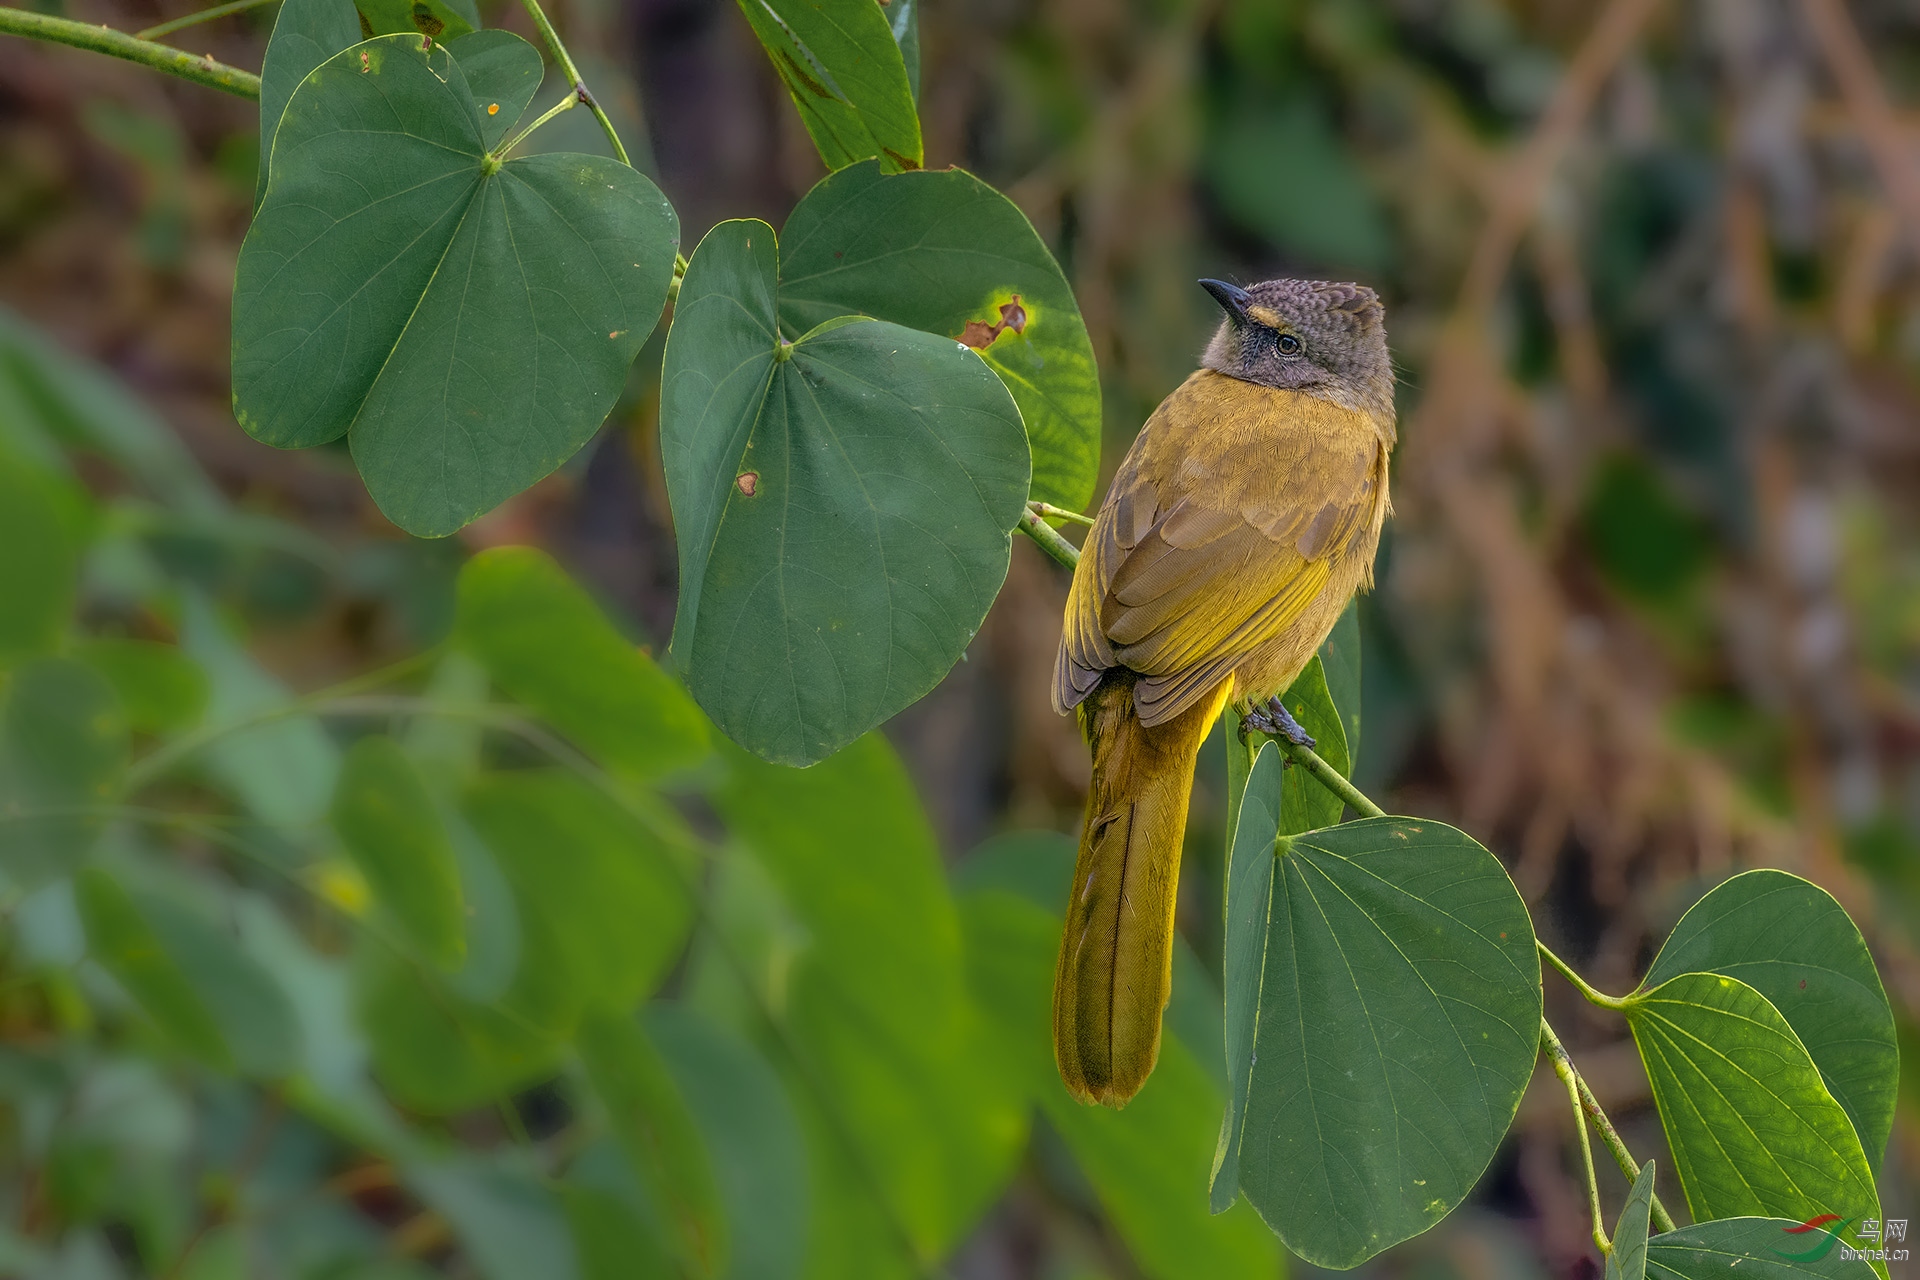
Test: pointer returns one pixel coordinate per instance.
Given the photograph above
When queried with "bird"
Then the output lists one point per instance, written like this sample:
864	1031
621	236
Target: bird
1242	520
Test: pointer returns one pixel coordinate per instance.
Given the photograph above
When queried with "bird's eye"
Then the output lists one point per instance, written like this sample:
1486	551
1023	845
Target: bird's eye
1289	345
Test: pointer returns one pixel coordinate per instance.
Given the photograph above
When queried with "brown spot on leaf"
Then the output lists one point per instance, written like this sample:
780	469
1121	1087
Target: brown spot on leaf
747	482
980	335
365	64
797	76
900	160
427	24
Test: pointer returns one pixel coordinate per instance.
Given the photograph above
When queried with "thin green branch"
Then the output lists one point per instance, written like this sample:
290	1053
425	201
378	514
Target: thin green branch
1052	512
1048	538
1331	778
118	44
567	68
567	103
1563	1067
169	755
1580	984
1557	1052
195	19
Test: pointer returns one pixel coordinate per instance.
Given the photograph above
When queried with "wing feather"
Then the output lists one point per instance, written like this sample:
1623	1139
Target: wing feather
1200	556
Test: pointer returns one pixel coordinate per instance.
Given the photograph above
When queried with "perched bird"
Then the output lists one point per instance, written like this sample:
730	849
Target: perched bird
1242	520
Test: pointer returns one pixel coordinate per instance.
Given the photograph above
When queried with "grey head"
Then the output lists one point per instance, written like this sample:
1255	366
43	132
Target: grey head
1318	336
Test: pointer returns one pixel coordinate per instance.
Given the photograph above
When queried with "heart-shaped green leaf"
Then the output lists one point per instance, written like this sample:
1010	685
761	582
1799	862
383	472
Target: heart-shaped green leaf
1752	1249
843	505
1790	941
546	644
503	73
305	34
1383	1011
1752	1127
1628	1261
655	1128
386	819
1144	1162
63	749
192	979
444	20
944	252
159	686
846	74
466	323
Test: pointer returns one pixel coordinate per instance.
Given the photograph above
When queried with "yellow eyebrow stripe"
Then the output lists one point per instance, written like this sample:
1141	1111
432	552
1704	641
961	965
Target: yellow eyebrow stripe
1266	316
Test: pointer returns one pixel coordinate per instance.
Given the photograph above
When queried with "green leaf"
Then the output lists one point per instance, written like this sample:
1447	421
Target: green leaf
846	74
305	34
386	818
1340	661
41	564
123	942
1749	1249
877	1003
600	913
1628	1261
937	251
1752	1128
1146	1163
1305	805
546	644
615	908
1396	1005
159	687
758	1157
193	980
466	325
63	749
433	18
609	1235
658	1133
503	73
283	768
843	506
1790	941
509	1221
903	19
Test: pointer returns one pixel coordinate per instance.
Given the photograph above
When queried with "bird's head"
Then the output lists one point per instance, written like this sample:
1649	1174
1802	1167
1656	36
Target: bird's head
1316	336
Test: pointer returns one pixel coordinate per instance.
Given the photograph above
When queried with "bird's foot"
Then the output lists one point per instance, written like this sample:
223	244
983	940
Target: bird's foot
1276	721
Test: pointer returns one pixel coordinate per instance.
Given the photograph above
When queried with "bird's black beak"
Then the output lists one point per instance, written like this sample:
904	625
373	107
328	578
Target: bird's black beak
1232	298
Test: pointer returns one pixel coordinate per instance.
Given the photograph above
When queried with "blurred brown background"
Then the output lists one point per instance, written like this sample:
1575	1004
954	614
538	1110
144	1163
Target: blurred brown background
1649	610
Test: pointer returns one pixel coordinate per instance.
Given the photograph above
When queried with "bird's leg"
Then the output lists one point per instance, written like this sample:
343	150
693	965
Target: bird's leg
1276	721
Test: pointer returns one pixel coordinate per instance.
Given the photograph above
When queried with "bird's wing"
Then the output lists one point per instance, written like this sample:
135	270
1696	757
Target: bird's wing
1189	569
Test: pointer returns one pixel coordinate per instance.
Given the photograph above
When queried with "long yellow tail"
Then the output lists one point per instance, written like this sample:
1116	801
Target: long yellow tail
1116	954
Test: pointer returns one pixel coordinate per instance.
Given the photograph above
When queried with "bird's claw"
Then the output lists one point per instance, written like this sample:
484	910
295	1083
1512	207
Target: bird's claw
1276	721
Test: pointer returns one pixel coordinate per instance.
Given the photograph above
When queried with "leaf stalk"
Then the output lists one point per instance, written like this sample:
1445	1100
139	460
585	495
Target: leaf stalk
199	68
558	48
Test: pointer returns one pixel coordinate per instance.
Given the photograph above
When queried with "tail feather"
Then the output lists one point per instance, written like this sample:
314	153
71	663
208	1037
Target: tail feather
1115	970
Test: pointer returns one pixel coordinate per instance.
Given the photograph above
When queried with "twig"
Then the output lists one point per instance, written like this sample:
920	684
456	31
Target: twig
1330	778
1866	98
195	19
1557	1052
1052	512
1563	1067
1520	188
198	68
1049	539
572	73
1580	984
